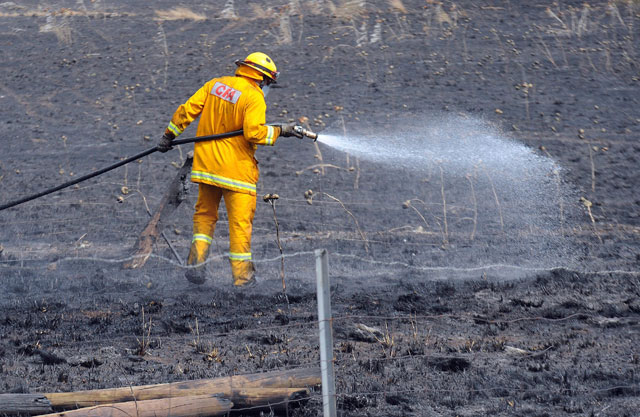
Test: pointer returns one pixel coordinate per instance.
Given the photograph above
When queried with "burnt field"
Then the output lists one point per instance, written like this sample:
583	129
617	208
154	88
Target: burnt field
498	275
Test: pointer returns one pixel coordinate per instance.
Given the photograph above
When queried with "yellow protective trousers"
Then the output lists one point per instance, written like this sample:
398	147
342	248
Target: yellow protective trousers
241	208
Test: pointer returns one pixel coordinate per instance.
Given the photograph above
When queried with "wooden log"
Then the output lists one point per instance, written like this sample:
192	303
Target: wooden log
24	404
294	378
256	398
246	398
170	201
202	406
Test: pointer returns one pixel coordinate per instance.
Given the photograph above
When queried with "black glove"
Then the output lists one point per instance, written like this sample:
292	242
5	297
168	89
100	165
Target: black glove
288	131
165	144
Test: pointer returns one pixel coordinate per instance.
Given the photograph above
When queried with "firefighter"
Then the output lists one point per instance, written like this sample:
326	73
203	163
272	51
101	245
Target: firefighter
227	168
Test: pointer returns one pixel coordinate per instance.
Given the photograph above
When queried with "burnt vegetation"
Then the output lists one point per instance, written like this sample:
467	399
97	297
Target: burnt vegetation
443	302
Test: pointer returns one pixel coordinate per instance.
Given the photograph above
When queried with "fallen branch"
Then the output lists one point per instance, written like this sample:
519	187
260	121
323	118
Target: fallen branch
169	203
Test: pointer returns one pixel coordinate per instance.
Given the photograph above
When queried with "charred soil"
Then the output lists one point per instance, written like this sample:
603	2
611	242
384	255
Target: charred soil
429	318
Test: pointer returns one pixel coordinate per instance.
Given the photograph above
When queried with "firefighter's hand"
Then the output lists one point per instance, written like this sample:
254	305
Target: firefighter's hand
165	144
288	130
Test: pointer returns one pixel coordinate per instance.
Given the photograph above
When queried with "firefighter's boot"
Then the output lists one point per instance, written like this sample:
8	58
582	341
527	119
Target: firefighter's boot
244	274
196	262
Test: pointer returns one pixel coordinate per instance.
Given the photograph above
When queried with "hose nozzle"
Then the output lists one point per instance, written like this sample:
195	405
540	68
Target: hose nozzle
305	132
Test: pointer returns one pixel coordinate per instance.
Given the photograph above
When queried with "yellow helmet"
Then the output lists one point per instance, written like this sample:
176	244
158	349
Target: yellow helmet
261	63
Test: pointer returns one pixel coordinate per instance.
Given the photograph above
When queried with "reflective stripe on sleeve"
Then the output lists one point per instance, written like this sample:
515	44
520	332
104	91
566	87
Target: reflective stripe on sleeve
239	256
175	129
222	181
270	135
202	238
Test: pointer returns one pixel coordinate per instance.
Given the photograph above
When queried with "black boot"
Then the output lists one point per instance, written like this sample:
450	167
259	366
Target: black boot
196	274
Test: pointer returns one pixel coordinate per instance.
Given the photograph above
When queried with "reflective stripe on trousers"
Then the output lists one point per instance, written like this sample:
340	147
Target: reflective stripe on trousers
202	237
199	248
240	256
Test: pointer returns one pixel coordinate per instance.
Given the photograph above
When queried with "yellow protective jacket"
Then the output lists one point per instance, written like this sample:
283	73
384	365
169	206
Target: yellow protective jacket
226	104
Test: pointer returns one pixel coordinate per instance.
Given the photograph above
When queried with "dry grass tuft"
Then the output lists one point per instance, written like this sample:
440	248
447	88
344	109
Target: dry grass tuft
142	347
571	21
442	16
348	9
179	13
285	30
260	13
398	5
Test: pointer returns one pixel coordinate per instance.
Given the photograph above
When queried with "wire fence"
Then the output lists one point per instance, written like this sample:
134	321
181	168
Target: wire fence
472	280
404	342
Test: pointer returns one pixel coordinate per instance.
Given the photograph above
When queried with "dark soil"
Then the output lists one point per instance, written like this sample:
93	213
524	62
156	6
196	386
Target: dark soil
421	327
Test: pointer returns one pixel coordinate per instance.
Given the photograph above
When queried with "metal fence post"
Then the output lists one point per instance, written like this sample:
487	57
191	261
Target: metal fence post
326	338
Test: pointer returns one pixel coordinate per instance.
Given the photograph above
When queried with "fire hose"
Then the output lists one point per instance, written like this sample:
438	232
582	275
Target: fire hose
298	129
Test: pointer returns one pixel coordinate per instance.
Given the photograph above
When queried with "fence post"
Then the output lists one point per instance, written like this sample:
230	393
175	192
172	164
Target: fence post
326	338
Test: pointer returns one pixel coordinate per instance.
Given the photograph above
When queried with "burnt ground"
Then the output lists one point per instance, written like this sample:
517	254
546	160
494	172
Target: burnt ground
495	317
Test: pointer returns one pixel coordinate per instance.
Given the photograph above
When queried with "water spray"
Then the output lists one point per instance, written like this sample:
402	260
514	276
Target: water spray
464	180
